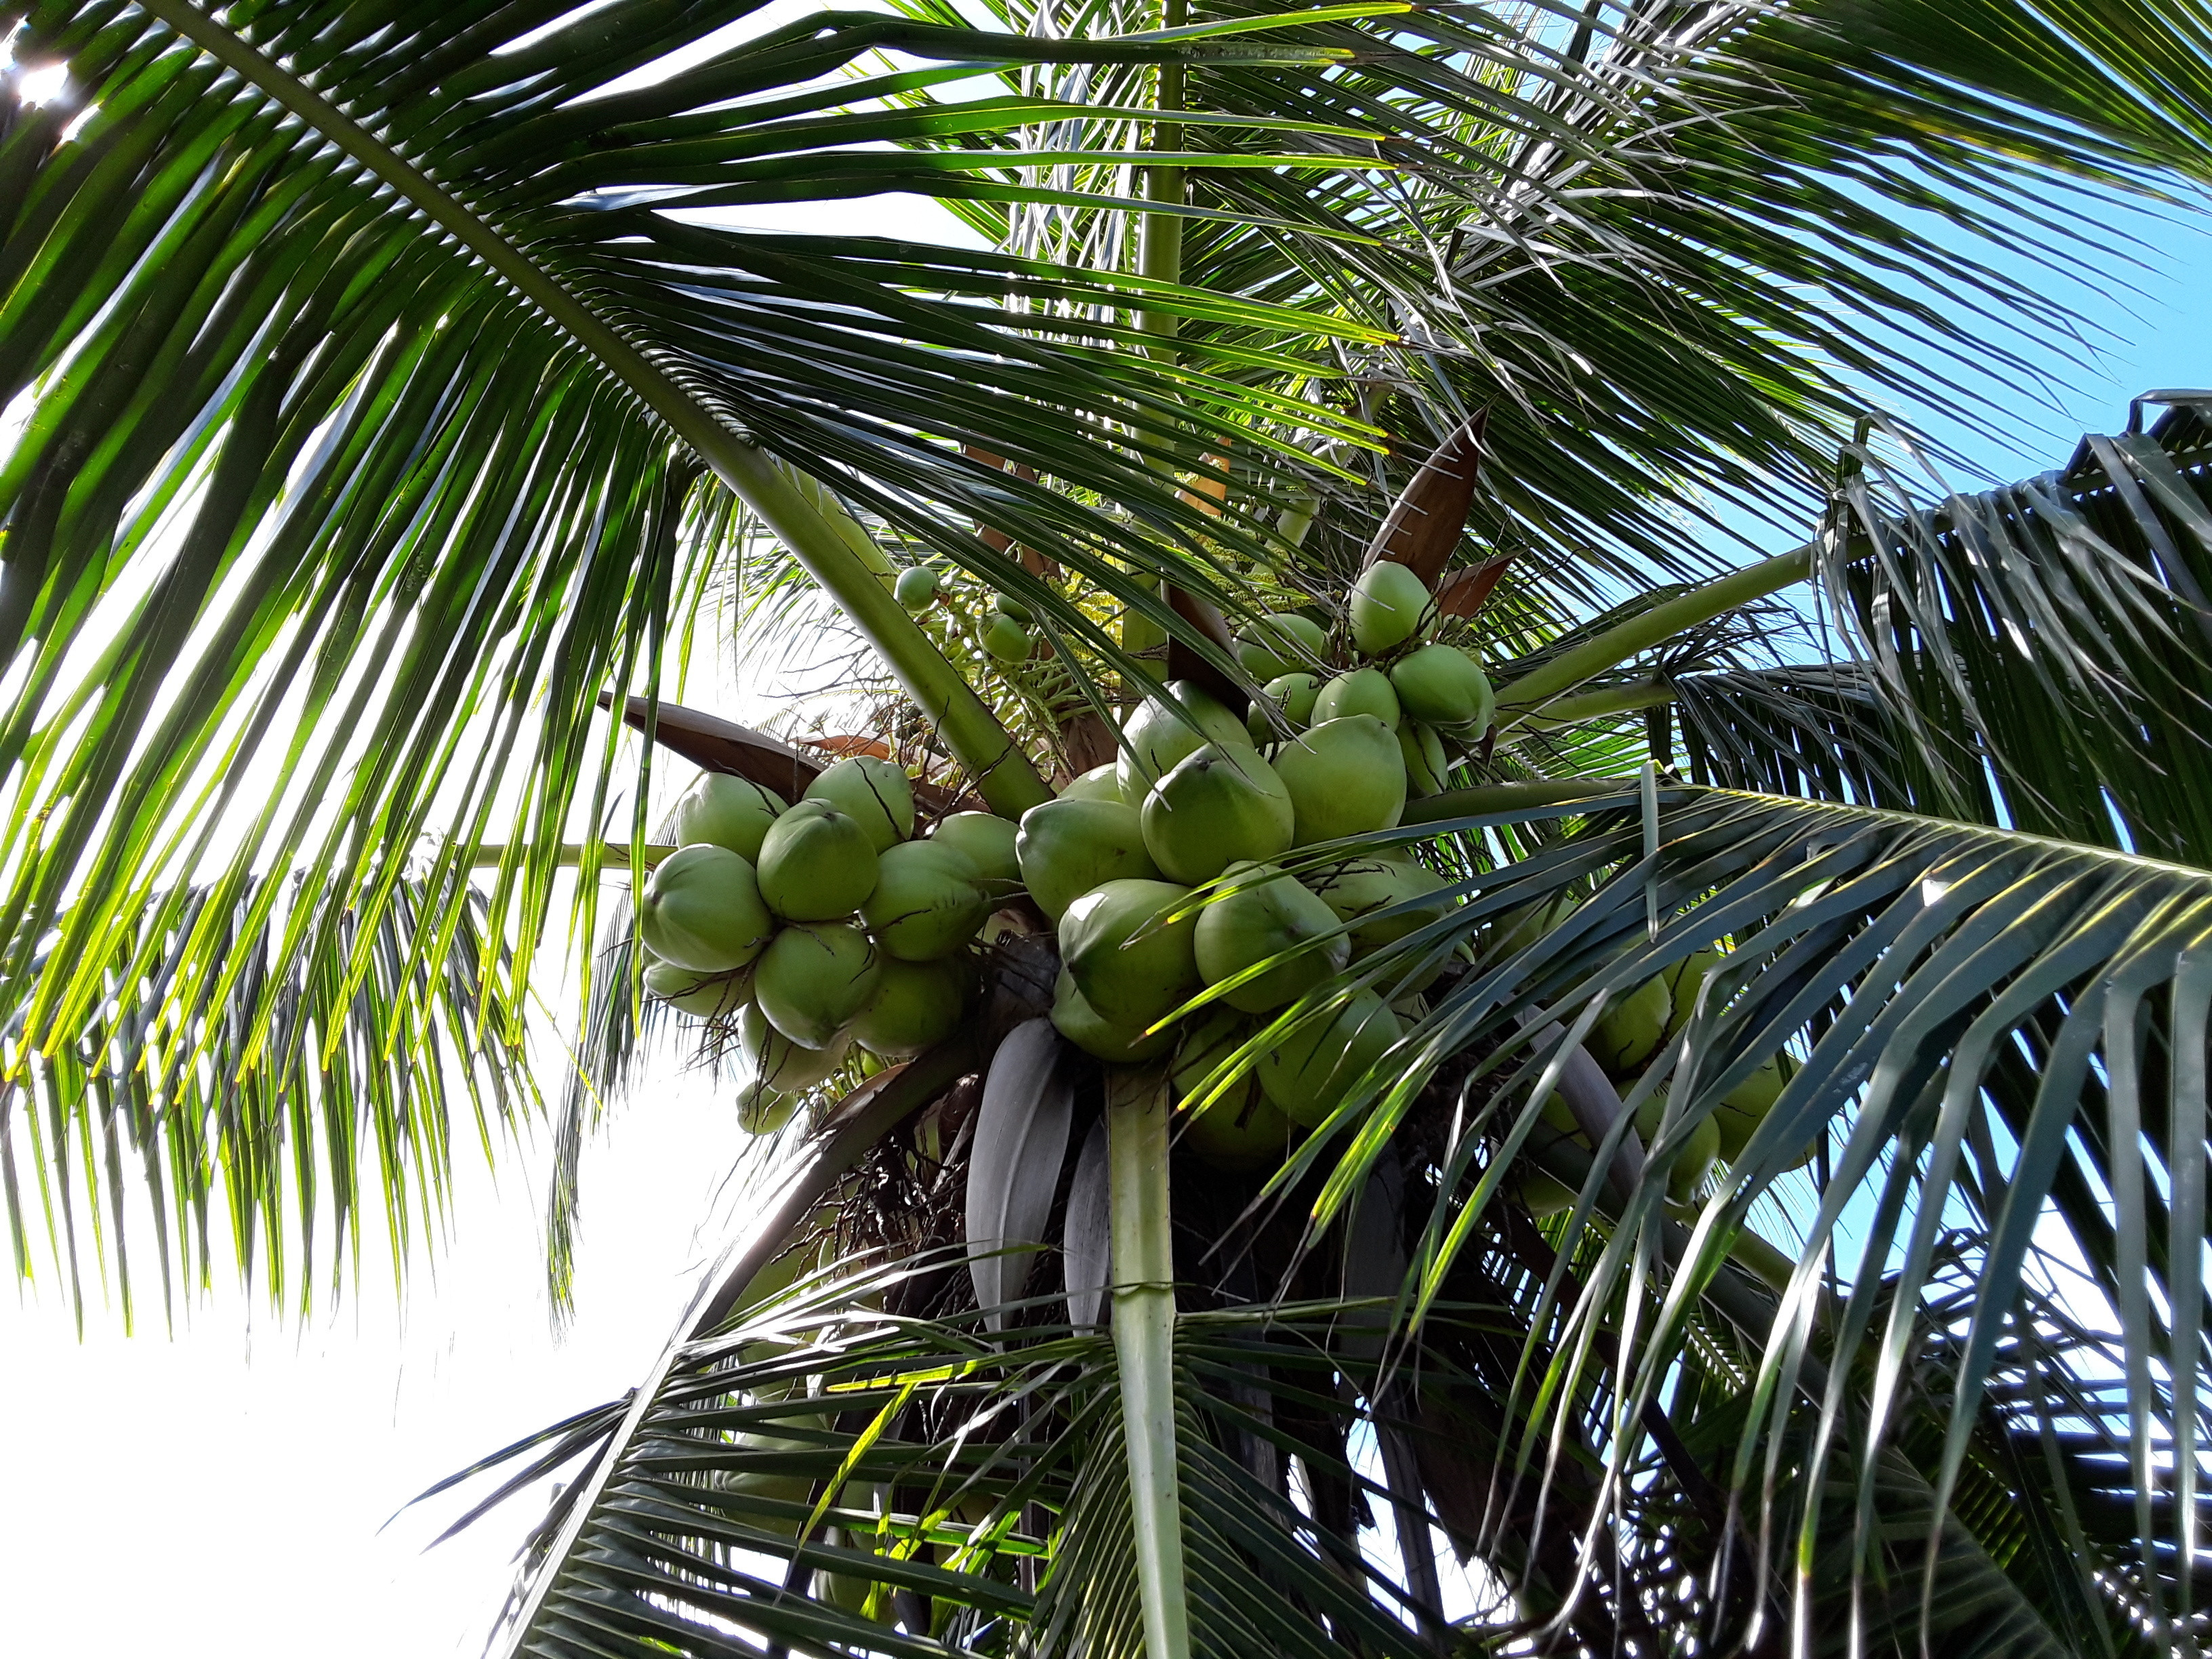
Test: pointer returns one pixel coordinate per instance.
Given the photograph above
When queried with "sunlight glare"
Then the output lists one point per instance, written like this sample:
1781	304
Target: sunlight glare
42	85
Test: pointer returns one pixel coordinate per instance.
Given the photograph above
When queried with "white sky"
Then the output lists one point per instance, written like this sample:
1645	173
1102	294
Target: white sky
222	1492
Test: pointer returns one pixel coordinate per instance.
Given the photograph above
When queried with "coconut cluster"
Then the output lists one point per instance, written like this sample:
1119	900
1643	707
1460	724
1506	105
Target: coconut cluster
809	929
1625	1039
1433	698
1115	862
1003	631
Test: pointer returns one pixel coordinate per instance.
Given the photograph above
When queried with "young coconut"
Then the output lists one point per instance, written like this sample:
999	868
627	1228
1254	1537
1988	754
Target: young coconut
1428	772
1522	926
1442	685
1209	1040
874	793
1099	783
814	978
1387	604
1631	1029
702	996
1262	915
703	911
1074	1019
1744	1107
915	588
1309	1073
1368	892
1240	1128
1683	981
1688	1172
1006	639
985	840
1362	691
1067	847
726	811
1219	805
774	1060
763	1110
916	1005
1281	642
928	903
1157	734
815	864
1345	777
1132	964
1292	696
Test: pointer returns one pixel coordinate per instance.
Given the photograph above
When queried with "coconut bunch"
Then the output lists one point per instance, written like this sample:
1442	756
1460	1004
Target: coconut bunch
1625	1039
1160	872
1434	698
810	929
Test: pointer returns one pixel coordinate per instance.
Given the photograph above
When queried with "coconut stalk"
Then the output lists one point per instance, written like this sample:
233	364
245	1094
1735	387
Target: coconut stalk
1144	1344
1531	694
821	534
1139	1201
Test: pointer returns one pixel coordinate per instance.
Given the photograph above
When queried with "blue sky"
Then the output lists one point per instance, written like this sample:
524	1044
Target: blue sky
2144	326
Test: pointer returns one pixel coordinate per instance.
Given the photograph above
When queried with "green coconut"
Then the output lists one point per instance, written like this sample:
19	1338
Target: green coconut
1239	1135
985	840
1006	639
1099	783
1364	893
1007	606
1683	981
1522	926
1074	1019
1263	915
773	1059
1346	777
1427	770
1208	1039
814	978
817	864
1309	1073
1218	805
916	1005
916	587
927	902
1546	1195
1133	964
1140	632
1157	734
875	794
1744	1107
703	996
1281	642
762	1109
1441	684
1695	1161
1069	847
1631	1029
1387	604
1292	696
703	910
726	812
1362	691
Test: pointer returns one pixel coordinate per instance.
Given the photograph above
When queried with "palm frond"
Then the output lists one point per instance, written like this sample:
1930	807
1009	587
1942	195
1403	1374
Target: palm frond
373	371
2043	645
245	1085
1981	1018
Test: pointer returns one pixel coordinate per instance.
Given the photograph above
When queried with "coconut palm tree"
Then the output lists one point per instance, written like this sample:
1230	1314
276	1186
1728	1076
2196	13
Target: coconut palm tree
397	388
